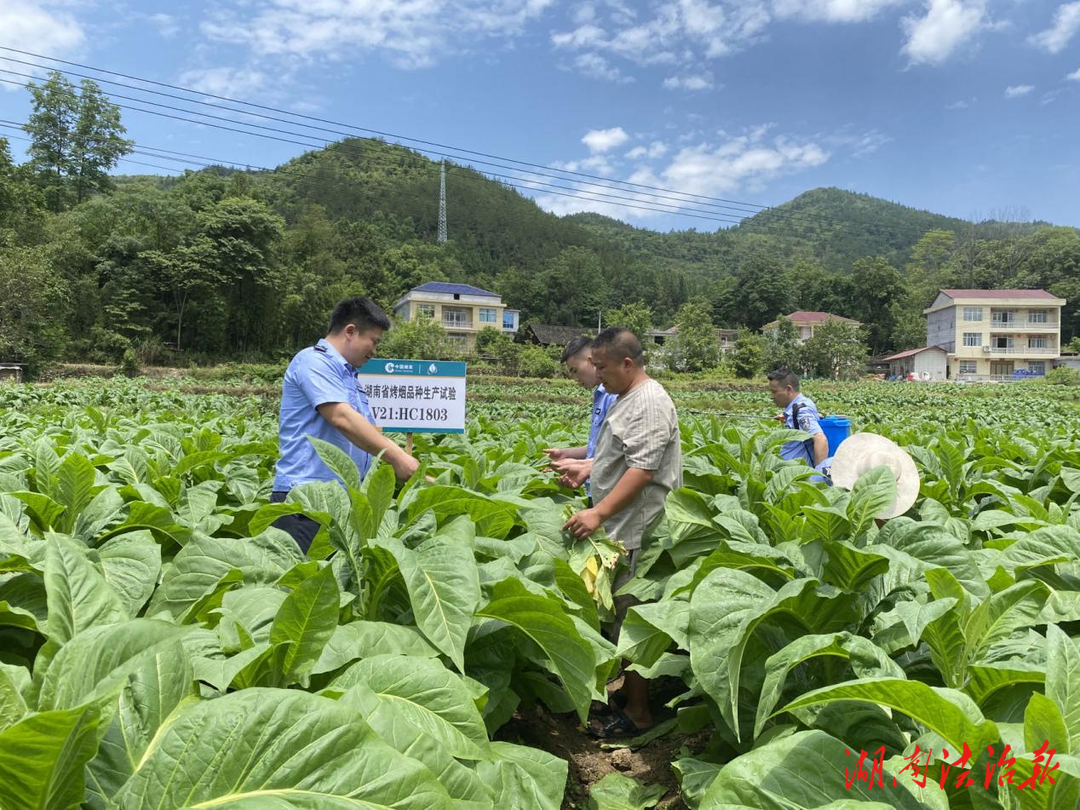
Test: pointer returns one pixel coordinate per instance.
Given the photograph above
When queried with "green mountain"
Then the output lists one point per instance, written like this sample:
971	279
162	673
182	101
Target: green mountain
226	263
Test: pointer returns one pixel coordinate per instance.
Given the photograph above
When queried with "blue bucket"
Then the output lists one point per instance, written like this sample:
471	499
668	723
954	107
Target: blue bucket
836	429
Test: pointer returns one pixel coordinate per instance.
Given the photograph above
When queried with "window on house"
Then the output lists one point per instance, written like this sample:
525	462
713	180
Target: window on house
972	338
1001	342
973	313
969	367
458	317
1037	367
1038	316
1037	343
487	315
508	321
1004	317
425	310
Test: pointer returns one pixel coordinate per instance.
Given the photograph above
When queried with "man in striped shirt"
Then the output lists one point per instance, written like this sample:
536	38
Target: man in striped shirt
638	462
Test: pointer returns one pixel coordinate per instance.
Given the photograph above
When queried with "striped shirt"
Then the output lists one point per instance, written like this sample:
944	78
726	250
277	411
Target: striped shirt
641	431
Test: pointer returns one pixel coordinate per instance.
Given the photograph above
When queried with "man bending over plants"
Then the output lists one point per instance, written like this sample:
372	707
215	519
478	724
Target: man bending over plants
638	462
321	398
574	463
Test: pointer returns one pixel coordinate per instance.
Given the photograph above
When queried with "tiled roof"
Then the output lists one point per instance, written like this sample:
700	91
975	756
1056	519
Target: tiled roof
912	353
549	334
1036	295
804	316
447	287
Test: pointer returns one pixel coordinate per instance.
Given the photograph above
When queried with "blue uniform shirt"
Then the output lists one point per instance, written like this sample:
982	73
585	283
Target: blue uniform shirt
316	375
808	421
601	404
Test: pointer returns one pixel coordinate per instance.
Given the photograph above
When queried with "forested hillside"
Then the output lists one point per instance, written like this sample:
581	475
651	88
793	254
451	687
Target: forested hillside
227	264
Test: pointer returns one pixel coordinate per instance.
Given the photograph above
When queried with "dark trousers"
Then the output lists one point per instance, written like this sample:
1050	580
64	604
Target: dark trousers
302	528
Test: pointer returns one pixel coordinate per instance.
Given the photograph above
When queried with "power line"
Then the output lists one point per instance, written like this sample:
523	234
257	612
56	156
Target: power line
522	184
607	182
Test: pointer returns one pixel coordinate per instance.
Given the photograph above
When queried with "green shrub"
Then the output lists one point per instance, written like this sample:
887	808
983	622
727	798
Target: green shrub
129	363
534	361
1063	375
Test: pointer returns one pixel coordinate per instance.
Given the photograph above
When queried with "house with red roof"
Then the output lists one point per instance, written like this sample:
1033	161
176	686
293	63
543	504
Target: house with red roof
462	309
995	334
805	322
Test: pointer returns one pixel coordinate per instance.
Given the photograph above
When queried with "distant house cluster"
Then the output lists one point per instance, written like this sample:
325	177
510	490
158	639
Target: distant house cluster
971	335
981	335
463	310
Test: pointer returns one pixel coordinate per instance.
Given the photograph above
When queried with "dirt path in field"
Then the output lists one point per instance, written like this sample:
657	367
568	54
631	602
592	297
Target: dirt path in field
564	736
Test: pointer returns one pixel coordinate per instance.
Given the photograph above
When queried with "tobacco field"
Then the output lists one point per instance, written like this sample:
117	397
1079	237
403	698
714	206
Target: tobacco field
163	646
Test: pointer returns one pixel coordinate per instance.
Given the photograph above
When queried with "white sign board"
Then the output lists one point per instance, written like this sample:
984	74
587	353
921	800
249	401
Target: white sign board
415	396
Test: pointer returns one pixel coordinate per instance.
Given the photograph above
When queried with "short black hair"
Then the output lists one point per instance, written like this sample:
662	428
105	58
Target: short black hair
578	344
785	377
620	343
362	312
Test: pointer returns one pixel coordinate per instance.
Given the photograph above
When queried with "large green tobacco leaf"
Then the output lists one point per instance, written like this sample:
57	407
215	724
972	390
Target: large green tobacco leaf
276	748
805	770
867	661
75	488
306	621
950	714
524	777
43	758
131	563
405	698
338	461
205	561
492	518
79	596
151	691
1063	680
101	659
726	608
618	792
544	619
874	492
367	639
444	591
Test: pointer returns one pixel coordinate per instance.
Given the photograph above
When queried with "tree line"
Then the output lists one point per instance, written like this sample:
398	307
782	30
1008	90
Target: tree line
222	264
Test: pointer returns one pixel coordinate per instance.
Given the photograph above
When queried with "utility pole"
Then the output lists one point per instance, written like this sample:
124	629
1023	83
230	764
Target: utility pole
442	203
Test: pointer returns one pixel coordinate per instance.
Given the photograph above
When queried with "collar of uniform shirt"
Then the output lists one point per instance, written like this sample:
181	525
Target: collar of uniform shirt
798	400
335	354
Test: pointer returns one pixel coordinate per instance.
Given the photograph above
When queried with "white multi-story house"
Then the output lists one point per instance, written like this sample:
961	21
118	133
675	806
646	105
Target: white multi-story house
463	310
996	334
805	322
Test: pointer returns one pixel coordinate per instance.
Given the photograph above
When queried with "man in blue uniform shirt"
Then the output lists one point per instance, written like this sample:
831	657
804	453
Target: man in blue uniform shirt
800	413
321	398
575	463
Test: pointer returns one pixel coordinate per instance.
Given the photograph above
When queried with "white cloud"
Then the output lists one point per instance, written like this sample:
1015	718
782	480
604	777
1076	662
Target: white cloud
836	11
1065	26
39	27
692	82
723	167
412	34
594	66
167	25
226	81
604	140
1074	76
958	105
675	31
656	149
1018	90
946	26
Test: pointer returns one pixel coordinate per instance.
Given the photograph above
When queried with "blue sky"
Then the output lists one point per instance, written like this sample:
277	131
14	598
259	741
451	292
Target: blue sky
964	107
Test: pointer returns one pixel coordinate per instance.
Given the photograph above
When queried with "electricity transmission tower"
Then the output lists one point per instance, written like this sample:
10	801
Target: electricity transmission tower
442	203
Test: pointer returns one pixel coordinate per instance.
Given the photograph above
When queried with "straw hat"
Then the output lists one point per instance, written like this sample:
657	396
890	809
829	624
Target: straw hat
862	452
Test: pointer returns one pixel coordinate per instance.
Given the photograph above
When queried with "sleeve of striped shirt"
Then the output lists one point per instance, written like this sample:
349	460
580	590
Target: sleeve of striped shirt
649	430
